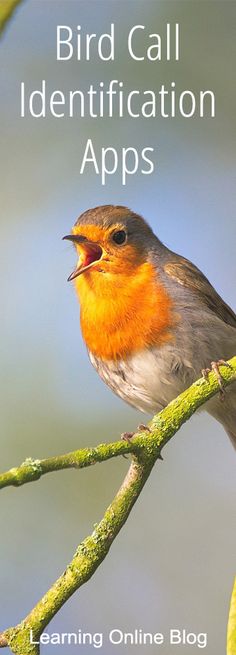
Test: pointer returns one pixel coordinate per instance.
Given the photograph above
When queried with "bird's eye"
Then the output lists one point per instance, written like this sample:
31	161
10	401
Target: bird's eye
119	237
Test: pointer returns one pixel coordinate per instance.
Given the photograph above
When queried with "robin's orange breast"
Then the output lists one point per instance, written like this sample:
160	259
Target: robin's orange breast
125	312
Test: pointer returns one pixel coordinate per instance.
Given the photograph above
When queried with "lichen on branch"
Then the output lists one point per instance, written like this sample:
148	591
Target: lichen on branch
162	428
231	630
7	7
145	448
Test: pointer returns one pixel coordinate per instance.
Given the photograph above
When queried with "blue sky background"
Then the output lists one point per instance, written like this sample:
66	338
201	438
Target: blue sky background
174	562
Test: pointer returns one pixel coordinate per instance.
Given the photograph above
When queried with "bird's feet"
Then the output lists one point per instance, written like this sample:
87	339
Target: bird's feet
215	368
143	428
127	436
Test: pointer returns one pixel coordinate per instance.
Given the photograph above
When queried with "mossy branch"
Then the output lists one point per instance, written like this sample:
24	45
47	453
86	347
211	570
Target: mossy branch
162	427
145	449
231	631
7	7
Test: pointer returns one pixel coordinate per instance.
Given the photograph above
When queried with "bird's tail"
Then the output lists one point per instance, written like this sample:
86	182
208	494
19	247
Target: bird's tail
232	436
228	417
225	412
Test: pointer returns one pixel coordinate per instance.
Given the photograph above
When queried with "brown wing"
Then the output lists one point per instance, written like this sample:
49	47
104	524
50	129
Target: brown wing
189	276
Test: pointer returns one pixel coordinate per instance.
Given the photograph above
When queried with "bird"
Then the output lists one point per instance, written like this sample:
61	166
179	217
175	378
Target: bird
150	319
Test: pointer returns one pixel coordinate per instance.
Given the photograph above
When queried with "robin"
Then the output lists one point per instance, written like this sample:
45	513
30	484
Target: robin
150	319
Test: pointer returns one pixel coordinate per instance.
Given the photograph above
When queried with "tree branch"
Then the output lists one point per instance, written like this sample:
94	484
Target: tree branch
7	7
231	630
162	427
89	555
145	449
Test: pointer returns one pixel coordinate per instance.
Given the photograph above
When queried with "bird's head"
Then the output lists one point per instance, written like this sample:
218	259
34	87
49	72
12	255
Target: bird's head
110	239
124	307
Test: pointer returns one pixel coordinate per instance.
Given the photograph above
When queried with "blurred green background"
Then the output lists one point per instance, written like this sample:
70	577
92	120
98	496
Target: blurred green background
173	563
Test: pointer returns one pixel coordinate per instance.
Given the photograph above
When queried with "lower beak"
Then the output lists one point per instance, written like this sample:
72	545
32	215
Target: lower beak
89	252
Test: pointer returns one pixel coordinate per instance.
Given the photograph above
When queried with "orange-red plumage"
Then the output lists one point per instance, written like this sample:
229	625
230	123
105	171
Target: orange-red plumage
150	319
129	312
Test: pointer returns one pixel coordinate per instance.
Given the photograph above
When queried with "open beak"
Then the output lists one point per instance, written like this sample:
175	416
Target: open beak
90	253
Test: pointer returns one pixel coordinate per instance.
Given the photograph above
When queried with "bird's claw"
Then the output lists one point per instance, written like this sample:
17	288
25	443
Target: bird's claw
143	428
127	436
215	368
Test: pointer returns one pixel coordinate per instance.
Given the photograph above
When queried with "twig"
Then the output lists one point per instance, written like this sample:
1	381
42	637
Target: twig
7	7
231	630
22	639
162	427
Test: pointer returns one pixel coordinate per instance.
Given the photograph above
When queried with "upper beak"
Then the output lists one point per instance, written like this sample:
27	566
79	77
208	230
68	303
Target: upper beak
90	252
